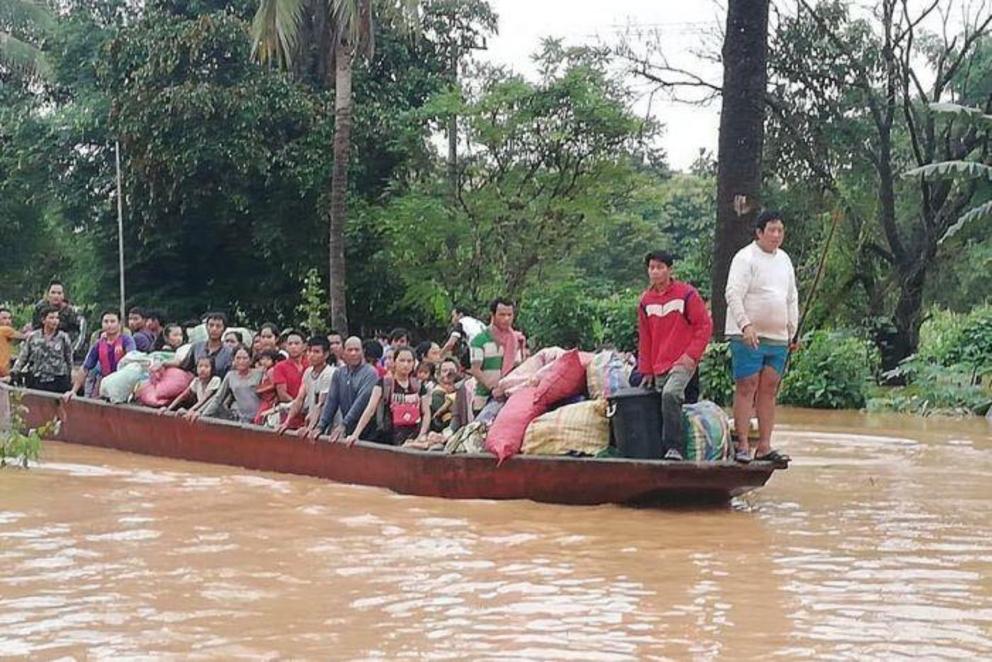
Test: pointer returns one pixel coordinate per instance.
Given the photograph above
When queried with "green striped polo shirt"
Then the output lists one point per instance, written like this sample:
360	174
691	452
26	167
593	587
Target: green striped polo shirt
486	350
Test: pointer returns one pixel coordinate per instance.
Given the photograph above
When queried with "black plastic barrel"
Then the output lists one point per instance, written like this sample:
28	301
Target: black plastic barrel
635	422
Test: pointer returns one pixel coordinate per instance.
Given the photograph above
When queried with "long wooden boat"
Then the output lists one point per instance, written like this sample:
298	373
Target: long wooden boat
564	480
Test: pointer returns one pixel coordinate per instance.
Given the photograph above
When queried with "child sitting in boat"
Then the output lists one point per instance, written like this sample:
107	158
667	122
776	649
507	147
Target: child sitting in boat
200	390
237	399
265	361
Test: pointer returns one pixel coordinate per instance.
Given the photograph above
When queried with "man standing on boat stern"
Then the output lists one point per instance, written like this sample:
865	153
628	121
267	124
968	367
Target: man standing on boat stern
762	318
673	329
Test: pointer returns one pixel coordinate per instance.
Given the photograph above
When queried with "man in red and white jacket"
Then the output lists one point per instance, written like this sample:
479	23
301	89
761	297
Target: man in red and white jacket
673	329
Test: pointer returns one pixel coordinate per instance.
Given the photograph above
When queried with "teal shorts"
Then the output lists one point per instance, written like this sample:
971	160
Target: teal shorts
748	362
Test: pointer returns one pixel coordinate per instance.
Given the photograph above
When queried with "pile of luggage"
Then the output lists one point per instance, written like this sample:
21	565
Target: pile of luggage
580	403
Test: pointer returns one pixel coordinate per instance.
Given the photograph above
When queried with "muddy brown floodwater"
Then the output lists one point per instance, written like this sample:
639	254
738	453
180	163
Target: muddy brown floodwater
876	543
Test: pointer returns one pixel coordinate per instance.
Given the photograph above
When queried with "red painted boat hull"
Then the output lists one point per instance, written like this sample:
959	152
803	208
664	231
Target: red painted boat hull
563	480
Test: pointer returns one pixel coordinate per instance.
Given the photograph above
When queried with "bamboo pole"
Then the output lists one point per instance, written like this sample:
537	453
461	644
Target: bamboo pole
120	225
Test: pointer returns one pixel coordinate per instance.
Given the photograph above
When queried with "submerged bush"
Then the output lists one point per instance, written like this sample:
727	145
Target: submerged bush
18	443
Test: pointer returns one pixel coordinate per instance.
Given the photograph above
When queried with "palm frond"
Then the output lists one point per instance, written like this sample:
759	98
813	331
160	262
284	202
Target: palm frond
967	112
353	21
981	211
951	170
275	31
351	25
20	56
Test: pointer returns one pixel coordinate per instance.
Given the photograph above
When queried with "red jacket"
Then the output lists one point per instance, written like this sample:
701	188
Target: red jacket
670	324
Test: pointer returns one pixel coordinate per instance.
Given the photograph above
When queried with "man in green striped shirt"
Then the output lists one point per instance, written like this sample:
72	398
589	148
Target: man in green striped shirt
488	352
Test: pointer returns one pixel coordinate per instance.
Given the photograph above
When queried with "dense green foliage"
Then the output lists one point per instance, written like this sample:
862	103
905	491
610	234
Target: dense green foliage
952	372
833	370
567	315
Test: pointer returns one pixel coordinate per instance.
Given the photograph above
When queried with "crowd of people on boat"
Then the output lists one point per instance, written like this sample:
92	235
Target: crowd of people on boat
383	388
390	390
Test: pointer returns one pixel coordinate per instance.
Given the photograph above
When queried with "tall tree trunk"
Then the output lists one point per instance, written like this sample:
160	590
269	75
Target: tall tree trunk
908	315
742	134
339	190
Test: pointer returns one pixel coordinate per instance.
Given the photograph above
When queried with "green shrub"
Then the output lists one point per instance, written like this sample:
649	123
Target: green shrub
618	316
934	389
832	370
568	315
939	335
716	379
972	345
313	307
562	315
20	445
951	370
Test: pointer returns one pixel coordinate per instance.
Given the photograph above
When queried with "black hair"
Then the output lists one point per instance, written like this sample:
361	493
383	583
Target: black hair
154	315
111	311
422	349
210	360
160	341
500	301
216	316
320	341
429	365
397	333
47	310
290	332
5	309
372	350
55	281
766	217
460	309
451	359
400	350
271	327
659	256
137	310
332	332
270	353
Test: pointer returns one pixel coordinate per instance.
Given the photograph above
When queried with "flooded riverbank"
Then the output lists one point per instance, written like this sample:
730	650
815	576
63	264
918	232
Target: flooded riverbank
876	542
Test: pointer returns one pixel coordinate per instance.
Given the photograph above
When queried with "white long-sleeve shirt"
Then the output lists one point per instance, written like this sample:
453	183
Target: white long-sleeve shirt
761	291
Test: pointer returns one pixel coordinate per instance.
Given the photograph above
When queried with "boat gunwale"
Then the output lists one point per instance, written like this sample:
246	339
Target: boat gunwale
755	466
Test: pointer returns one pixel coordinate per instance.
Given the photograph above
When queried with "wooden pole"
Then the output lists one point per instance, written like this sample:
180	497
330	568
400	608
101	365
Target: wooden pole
120	225
820	269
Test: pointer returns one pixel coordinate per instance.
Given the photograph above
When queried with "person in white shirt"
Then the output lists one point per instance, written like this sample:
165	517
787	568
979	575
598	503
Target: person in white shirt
464	328
762	319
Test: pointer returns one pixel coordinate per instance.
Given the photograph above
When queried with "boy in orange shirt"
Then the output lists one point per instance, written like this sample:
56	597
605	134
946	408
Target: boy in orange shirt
7	333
